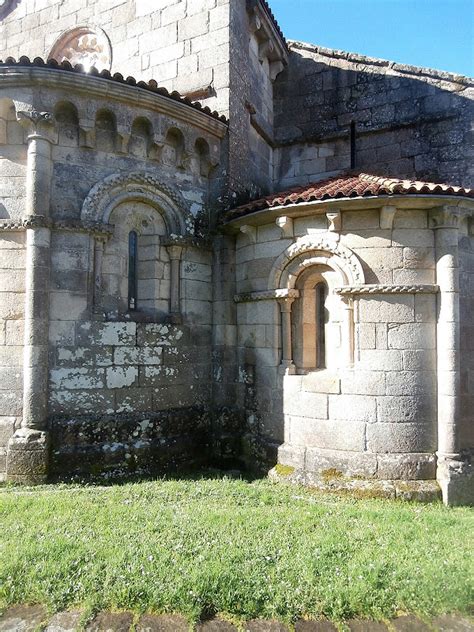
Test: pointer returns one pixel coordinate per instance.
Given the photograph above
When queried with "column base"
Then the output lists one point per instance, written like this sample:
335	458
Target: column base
455	476
28	457
175	318
287	368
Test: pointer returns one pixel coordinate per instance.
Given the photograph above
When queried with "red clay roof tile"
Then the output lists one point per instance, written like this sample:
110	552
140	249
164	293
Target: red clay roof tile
151	86
349	186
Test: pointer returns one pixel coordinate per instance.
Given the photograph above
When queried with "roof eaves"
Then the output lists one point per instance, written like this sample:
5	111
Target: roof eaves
150	86
374	61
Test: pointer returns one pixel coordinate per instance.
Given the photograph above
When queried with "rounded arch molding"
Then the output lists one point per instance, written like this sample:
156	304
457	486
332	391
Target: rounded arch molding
116	189
84	44
314	250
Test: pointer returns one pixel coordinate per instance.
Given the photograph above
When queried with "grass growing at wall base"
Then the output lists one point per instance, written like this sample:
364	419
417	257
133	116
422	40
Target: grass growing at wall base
248	549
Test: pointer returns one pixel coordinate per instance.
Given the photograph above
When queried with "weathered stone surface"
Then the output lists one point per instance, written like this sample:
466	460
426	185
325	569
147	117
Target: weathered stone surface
162	623
355	625
119	266
409	623
215	625
64	622
28	456
452	623
111	622
261	625
22	618
315	626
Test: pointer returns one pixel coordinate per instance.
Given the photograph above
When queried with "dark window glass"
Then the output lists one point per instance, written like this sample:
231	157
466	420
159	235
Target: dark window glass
132	269
321	295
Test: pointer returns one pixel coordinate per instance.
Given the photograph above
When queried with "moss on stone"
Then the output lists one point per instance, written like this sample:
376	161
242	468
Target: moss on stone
331	474
284	470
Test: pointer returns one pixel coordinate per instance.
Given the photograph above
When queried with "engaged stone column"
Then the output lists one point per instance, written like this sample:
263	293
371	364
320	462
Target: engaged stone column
287	366
445	221
174	252
27	455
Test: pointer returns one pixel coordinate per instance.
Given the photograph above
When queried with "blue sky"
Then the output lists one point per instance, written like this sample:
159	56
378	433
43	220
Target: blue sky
434	33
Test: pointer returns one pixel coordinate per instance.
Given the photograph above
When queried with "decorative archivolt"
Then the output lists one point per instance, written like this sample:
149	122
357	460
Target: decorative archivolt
315	250
106	195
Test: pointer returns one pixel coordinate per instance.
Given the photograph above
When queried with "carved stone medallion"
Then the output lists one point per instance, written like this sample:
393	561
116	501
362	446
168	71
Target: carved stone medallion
84	45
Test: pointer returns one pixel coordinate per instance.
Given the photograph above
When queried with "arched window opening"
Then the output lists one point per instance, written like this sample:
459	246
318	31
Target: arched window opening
321	295
67	121
135	266
173	151
141	138
11	132
132	269
316	321
203	157
105	131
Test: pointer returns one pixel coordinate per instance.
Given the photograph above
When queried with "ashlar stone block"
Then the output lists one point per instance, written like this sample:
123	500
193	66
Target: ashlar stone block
390	309
352	407
321	433
401	438
412	336
121	377
306	404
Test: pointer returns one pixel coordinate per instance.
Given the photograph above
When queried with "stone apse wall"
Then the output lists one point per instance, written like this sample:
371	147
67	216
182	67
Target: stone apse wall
182	44
81	169
372	409
86	161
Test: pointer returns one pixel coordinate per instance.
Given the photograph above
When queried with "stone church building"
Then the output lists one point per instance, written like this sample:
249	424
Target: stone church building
218	247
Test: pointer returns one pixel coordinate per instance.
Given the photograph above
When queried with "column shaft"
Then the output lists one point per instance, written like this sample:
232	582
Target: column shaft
448	339
287	366
28	449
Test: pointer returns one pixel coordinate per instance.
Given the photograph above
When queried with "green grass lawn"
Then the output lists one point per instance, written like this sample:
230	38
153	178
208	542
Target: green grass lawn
246	549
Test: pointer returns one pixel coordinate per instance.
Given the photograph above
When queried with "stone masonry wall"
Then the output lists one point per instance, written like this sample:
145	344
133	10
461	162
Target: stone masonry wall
127	390
182	44
362	419
410	122
12	262
251	100
466	274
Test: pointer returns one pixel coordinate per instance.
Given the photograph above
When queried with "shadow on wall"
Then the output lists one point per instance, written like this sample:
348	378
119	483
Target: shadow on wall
405	126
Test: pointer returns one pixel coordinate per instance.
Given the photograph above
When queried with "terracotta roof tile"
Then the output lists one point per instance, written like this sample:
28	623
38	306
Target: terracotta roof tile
266	6
151	85
349	186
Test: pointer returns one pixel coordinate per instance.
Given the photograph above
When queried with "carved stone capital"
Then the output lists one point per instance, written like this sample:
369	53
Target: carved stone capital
174	251
286	303
36	123
445	217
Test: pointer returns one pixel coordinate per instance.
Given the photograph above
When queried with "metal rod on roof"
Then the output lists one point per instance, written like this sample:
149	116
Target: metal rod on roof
353	145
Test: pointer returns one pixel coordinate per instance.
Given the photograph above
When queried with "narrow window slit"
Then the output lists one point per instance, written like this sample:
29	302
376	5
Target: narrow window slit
132	269
321	295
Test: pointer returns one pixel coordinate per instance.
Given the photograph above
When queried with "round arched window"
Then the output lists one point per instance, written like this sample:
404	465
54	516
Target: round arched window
84	45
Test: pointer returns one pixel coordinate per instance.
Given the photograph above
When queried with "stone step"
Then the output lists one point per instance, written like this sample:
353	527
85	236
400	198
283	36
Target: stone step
32	618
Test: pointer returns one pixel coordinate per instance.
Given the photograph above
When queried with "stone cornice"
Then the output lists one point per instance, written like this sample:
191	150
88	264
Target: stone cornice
405	69
386	289
268	295
272	43
100	230
90	86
